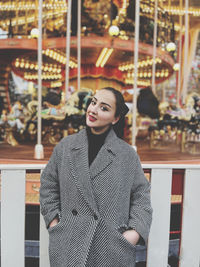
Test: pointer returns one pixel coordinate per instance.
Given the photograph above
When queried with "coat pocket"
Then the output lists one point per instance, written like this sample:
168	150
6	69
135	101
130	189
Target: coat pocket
126	241
123	251
120	230
59	237
52	228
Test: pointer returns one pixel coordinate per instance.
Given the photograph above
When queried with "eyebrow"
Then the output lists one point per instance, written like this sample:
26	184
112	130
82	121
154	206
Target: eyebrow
103	102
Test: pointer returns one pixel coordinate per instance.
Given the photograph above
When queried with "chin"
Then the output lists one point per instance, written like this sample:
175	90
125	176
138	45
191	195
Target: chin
89	124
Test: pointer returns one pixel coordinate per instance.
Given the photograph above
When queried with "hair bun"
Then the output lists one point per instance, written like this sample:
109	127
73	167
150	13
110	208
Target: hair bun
124	110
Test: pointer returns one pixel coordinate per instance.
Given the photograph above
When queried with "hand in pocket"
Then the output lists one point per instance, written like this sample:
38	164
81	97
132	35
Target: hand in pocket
54	222
131	236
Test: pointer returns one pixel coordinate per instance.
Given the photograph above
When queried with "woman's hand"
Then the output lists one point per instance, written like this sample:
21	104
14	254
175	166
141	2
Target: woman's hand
131	236
53	223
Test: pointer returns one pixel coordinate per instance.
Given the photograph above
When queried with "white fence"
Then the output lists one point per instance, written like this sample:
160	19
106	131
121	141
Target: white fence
13	183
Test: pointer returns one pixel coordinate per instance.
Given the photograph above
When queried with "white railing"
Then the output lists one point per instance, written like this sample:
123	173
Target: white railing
13	216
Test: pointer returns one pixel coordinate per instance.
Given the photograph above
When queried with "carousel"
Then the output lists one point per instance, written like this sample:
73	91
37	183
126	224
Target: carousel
55	54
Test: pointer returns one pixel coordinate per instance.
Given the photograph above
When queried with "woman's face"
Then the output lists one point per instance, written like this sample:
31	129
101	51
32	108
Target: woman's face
101	112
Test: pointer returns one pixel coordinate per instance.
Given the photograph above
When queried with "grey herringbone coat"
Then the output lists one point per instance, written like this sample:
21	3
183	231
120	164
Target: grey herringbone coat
96	204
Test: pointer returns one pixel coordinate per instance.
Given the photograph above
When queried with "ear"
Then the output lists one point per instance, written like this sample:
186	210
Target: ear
116	120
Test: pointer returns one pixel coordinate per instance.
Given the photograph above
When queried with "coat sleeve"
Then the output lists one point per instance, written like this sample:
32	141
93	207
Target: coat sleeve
50	190
140	216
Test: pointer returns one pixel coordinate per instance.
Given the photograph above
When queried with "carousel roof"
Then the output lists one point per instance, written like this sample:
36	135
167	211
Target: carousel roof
19	18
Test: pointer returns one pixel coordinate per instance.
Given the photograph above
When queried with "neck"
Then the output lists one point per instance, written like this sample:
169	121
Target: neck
99	130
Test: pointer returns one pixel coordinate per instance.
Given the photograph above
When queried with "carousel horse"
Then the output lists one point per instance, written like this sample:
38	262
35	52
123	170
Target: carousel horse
178	124
191	133
12	124
56	120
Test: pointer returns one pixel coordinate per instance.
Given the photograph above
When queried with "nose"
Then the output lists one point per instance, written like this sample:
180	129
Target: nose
93	109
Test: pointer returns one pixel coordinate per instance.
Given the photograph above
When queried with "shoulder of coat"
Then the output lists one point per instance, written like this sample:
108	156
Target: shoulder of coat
74	140
121	146
67	140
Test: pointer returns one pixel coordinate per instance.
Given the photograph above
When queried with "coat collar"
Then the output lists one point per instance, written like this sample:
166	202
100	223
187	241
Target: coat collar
80	166
81	140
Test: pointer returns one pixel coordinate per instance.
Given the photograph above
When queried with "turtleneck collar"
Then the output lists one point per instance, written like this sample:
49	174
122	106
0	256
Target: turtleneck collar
95	142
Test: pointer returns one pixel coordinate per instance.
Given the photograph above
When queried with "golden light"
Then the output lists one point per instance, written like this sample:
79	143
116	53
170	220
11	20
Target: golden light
34	33
171	47
103	57
113	30
141	64
176	67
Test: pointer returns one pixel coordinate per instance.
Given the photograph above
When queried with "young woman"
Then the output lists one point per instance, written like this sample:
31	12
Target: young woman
94	196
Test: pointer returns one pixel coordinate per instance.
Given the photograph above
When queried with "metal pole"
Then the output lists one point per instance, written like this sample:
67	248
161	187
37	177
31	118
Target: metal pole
39	154
79	44
180	58
136	44
184	91
68	34
154	46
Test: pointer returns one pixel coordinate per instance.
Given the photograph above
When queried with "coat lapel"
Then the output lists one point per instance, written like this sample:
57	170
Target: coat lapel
80	168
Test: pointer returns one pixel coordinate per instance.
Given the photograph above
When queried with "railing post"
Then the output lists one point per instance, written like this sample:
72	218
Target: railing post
158	244
13	218
44	243
190	237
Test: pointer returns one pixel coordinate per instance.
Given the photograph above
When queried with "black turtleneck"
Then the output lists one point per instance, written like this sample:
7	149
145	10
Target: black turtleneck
95	142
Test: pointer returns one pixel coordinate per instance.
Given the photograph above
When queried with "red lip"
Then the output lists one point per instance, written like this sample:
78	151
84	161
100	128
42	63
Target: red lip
91	118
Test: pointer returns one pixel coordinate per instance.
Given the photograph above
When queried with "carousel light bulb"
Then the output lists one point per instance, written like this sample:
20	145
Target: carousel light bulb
58	57
47	52
176	67
22	64
171	47
17	64
157	74
64	60
113	30
34	33
162	74
51	53
149	74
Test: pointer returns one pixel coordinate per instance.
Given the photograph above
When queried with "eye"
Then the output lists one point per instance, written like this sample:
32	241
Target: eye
93	102
104	108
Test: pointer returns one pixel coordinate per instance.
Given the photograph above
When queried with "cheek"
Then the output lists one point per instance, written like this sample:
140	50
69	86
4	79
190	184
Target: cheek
107	117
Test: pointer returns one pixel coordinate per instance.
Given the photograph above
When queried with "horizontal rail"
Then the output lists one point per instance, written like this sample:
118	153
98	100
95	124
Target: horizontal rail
144	165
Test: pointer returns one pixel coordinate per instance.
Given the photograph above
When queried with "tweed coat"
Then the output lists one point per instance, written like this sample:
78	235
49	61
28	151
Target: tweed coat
95	204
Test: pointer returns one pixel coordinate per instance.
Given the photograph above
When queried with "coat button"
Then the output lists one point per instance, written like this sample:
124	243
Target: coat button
95	217
74	212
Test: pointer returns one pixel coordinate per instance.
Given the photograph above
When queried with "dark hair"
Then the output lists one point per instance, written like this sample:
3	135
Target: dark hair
121	111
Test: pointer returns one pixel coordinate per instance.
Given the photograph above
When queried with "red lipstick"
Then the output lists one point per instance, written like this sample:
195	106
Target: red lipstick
91	118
